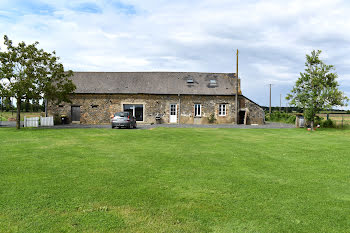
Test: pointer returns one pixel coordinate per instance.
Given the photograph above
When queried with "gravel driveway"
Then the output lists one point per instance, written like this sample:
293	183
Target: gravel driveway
268	125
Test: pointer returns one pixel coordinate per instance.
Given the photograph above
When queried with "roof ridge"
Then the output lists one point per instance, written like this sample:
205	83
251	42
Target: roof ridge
179	72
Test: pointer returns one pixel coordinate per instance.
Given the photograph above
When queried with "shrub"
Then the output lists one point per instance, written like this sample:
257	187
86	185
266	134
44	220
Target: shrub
57	120
318	120
280	117
291	119
212	118
328	124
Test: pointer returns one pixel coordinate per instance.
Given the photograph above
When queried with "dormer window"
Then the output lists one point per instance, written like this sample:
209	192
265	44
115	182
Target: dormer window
190	80
213	83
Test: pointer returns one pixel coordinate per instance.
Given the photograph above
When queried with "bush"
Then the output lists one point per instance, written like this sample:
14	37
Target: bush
280	117
211	118
327	124
291	119
318	120
57	120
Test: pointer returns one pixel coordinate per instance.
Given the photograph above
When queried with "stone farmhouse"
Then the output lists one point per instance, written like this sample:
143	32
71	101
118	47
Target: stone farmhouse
158	97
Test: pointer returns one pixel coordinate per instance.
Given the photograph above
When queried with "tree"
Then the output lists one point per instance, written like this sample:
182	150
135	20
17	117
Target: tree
317	88
27	105
27	72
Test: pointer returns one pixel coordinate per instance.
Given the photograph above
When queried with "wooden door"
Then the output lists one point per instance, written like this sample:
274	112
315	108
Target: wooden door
75	113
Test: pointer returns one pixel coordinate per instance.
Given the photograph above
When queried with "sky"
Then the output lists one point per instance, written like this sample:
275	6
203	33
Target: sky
272	36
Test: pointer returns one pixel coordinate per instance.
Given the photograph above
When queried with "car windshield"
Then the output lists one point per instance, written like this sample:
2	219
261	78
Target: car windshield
121	114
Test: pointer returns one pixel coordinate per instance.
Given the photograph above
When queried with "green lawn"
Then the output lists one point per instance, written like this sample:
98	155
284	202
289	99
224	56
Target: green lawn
174	180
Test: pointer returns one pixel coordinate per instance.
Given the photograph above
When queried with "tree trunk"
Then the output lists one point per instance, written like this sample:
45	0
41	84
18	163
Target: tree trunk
45	107
312	125
18	117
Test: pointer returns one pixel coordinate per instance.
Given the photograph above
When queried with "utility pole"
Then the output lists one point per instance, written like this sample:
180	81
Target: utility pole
280	102
236	97
270	99
2	100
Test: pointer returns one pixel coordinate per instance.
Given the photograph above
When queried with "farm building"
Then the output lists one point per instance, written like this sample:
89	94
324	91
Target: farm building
158	97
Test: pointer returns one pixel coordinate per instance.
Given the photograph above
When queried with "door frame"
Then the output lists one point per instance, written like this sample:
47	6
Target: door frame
242	120
75	106
176	115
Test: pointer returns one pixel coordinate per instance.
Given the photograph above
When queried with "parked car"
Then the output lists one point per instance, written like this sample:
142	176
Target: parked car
123	119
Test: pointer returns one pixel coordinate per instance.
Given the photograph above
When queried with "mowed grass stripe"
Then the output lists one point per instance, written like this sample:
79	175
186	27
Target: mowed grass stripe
174	180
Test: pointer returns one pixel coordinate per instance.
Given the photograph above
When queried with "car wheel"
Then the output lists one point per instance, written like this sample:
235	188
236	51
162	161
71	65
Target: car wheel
113	127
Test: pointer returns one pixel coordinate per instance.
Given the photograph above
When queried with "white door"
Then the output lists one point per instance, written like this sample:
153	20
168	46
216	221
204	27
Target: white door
173	113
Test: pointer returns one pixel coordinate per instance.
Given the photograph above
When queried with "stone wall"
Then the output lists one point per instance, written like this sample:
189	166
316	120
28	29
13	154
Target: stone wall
97	108
256	114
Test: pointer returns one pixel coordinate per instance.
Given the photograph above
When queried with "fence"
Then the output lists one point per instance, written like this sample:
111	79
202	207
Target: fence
31	121
46	121
34	121
340	119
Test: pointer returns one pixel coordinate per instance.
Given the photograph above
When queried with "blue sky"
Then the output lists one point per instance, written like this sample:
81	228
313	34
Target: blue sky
200	36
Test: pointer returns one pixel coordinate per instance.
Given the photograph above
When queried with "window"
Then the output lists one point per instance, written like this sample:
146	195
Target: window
172	109
212	83
134	109
197	110
222	109
189	80
122	114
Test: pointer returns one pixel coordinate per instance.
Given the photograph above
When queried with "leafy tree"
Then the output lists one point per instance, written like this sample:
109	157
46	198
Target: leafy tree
6	104
27	105
27	72
317	88
36	105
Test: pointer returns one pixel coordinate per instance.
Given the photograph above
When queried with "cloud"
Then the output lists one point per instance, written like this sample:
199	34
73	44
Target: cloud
136	35
88	8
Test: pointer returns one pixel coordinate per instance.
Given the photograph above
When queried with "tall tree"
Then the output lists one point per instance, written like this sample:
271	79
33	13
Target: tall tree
27	72
317	88
7	104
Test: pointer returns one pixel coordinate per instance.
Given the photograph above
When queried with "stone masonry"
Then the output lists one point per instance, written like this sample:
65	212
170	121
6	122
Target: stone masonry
98	108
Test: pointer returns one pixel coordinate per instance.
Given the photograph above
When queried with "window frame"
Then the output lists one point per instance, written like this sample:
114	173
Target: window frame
196	110
222	109
134	110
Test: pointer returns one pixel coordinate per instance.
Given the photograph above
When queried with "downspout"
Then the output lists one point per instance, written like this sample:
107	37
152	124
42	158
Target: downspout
236	96
179	109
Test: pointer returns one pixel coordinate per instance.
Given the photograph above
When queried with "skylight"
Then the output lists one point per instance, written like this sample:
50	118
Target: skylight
189	80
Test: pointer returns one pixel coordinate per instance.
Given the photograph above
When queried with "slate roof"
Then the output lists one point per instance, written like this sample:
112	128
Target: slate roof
154	83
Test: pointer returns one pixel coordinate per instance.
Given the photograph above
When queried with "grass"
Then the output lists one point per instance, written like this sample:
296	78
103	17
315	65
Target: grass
174	180
5	115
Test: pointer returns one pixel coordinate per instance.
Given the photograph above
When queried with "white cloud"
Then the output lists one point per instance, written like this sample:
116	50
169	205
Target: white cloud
136	35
